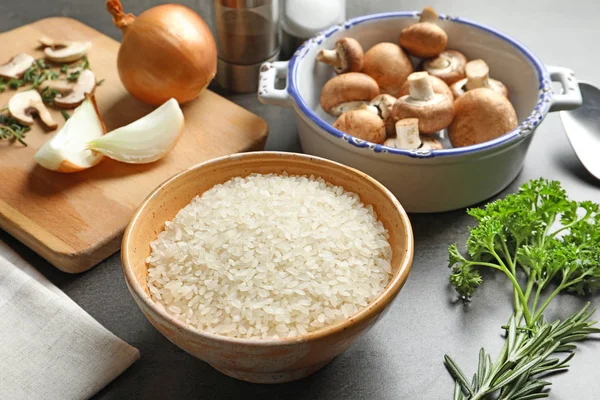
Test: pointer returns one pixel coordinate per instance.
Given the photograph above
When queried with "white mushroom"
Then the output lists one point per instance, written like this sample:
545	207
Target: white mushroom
72	95
23	104
16	66
64	51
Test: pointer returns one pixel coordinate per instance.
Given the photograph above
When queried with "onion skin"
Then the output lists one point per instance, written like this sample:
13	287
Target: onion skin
167	52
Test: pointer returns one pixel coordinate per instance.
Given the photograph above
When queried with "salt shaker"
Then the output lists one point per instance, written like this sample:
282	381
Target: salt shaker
247	36
303	19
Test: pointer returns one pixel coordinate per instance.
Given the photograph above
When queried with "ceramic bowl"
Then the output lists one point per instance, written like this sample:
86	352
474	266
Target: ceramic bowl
263	361
424	181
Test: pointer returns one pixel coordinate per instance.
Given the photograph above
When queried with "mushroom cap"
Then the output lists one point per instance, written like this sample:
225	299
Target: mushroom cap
352	86
481	115
16	66
477	76
362	124
384	104
449	66
434	115
423	39
388	65
439	86
351	54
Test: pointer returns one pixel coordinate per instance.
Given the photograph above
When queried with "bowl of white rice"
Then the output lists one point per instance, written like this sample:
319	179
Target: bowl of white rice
267	265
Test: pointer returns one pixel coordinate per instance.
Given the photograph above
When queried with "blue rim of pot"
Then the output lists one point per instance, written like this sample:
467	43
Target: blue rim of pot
524	129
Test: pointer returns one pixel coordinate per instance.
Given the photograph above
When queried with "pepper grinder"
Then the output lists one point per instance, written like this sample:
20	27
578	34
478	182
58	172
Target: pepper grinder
247	36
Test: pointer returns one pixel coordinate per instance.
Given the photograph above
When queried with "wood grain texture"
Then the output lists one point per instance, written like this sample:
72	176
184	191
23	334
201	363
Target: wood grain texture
76	220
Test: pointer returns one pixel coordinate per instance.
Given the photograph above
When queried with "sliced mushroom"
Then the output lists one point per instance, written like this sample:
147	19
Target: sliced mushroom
425	38
16	66
72	95
478	76
439	86
346	57
434	111
347	92
430	143
449	66
383	104
389	66
23	104
64	51
481	115
363	124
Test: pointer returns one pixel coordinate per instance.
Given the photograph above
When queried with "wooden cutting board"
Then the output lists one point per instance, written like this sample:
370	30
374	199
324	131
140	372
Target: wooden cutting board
76	220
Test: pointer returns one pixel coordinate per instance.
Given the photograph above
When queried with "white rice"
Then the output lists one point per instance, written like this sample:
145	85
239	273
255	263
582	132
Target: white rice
269	256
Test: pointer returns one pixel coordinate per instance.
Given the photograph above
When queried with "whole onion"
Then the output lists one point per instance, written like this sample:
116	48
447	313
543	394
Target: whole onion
167	52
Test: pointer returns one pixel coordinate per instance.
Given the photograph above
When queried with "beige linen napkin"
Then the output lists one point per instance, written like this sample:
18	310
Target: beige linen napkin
50	348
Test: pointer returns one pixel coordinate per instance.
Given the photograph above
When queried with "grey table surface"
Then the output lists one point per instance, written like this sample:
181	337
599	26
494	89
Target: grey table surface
401	357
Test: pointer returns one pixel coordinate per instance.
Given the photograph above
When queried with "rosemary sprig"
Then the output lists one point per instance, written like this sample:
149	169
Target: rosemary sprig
48	95
2	85
10	129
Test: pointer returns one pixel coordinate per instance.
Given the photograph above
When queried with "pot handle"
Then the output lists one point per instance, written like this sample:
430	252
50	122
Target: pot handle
570	98
267	94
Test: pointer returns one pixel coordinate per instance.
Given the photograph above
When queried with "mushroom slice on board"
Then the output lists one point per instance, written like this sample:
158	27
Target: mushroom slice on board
347	92
449	66
384	103
389	66
481	115
70	94
434	111
346	57
439	86
64	51
364	124
16	66
425	38
478	76
23	104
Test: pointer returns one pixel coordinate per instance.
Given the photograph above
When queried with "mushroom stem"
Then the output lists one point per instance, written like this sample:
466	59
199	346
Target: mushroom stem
420	87
330	57
407	134
428	15
478	74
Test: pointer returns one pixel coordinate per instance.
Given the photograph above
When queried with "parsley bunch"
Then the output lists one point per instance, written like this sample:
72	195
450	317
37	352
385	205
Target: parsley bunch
554	243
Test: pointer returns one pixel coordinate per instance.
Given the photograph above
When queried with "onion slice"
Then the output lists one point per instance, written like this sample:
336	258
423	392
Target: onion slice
67	150
146	140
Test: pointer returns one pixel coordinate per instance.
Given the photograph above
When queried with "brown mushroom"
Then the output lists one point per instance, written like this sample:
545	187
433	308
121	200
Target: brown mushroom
439	86
23	104
64	51
389	66
383	104
478	76
346	57
481	115
430	143
70	94
425	38
434	111
449	66
16	66
347	92
363	124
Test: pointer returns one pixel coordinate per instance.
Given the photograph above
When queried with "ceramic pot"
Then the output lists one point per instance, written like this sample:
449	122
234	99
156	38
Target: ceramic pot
424	181
262	361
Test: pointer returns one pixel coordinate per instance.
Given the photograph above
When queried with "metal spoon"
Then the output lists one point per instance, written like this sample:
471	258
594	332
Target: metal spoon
582	127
